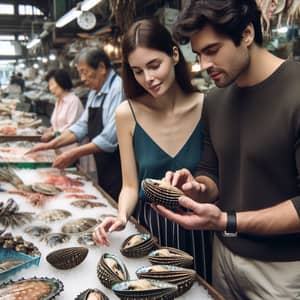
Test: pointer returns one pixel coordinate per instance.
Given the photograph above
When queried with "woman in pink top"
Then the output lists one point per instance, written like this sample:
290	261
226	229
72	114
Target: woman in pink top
68	107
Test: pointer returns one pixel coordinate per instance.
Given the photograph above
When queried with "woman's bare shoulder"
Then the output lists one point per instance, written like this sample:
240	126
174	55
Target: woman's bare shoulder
124	115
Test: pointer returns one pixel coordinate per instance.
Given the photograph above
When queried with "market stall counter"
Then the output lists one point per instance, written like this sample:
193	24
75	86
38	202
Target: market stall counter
56	223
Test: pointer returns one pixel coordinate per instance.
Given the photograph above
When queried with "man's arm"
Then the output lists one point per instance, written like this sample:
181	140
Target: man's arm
279	219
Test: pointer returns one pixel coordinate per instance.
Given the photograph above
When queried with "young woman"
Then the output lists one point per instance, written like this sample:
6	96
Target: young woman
159	129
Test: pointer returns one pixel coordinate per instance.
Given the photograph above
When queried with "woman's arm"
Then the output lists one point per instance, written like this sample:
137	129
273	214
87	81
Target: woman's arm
129	194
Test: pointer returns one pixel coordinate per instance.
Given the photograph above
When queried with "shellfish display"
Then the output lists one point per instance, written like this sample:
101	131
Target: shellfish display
9	175
45	188
86	238
87	204
37	231
137	245
33	288
182	277
81	196
67	258
92	294
8	264
53	239
170	256
78	225
162	193
10	215
8	241
144	289
53	215
64	181
111	269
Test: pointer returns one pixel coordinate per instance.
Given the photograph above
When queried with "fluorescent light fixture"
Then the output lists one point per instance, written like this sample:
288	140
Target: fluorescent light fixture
44	34
88	4
68	17
33	43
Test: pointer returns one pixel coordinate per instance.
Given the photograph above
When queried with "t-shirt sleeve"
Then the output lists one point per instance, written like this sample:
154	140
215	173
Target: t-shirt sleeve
208	165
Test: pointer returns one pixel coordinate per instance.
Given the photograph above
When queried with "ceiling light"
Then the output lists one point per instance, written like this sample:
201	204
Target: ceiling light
68	17
52	56
33	43
88	4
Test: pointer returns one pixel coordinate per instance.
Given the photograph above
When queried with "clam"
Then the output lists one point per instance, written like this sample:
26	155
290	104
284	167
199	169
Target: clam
67	258
182	277
87	204
86	238
37	231
144	289
53	215
32	288
137	245
78	225
92	294
170	256
53	239
111	269
162	193
45	188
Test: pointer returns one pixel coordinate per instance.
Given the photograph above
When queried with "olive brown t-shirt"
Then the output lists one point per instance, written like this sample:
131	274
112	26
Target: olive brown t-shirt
252	152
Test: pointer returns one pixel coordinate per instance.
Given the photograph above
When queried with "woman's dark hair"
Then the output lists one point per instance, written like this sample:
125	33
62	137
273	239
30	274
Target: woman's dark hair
93	56
61	77
153	35
227	17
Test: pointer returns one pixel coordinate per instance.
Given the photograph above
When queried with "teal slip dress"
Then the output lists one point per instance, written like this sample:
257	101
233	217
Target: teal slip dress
153	162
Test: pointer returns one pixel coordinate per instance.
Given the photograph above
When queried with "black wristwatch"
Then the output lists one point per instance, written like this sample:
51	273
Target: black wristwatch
230	230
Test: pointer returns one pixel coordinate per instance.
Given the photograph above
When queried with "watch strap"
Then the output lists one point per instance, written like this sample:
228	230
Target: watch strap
231	225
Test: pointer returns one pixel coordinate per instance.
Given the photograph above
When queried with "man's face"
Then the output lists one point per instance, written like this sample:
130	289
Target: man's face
224	61
92	78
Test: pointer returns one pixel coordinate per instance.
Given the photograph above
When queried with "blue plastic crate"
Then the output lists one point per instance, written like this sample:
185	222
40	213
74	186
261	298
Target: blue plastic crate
12	254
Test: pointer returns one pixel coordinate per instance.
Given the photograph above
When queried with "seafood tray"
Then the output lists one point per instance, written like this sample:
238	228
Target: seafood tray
9	254
15	157
32	138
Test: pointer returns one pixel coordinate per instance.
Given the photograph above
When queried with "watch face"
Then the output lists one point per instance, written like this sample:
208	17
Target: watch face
86	20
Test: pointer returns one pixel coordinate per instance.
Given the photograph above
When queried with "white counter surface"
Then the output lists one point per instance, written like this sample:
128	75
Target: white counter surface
83	276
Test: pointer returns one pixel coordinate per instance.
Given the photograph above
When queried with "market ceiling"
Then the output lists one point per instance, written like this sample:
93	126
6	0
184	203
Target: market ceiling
53	9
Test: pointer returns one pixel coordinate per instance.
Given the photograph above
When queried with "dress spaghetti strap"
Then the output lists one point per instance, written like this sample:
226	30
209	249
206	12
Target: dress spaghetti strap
131	108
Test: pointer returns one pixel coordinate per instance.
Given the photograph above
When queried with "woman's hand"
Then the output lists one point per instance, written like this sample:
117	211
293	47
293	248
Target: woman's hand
109	224
46	137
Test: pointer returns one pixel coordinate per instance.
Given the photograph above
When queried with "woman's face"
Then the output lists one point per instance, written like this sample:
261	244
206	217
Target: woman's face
55	89
153	69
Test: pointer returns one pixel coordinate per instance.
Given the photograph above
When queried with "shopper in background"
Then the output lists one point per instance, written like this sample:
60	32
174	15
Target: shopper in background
20	81
159	128
251	158
97	121
68	107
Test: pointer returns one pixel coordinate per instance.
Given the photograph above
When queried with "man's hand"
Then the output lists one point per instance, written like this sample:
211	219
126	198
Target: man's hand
38	147
203	216
66	159
46	137
184	180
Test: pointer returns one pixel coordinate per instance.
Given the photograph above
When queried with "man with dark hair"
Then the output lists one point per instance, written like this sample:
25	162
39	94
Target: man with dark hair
247	188
97	121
